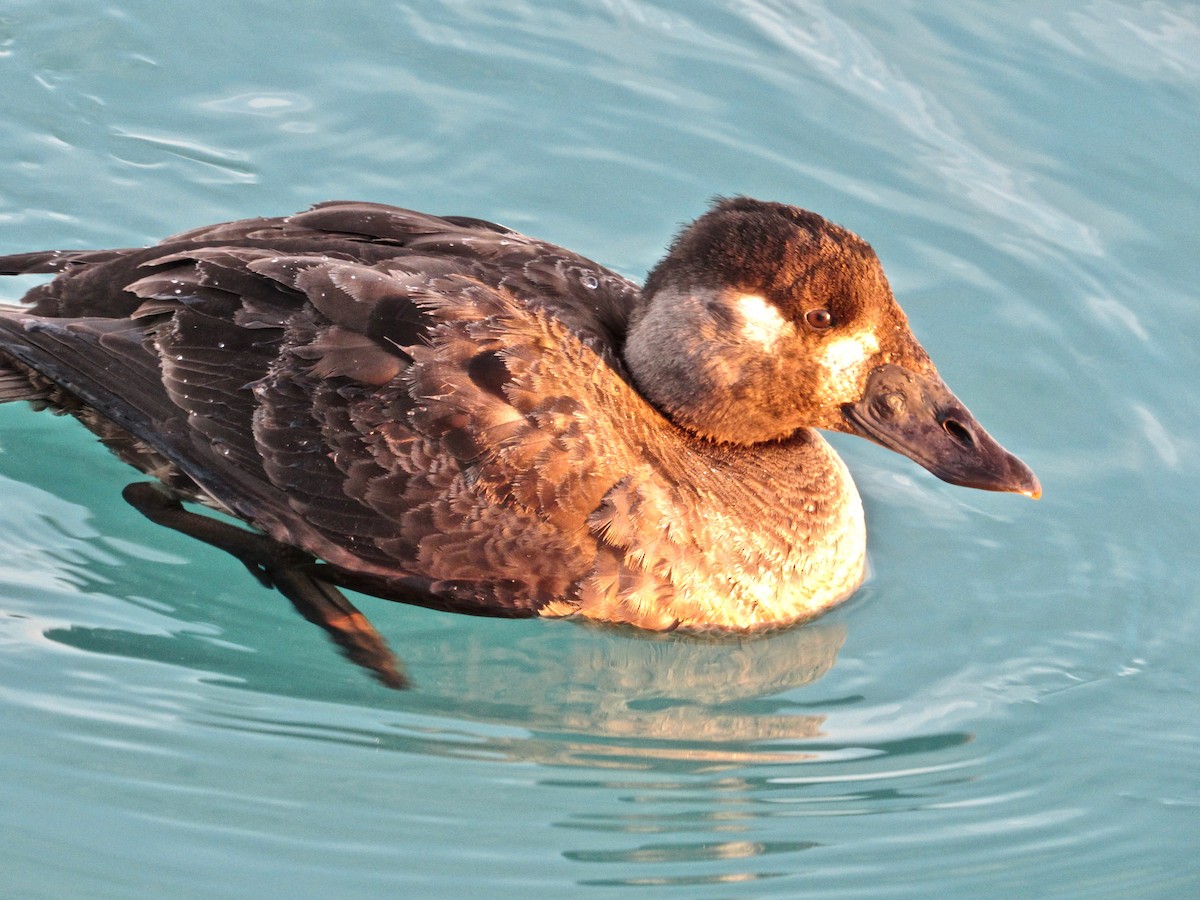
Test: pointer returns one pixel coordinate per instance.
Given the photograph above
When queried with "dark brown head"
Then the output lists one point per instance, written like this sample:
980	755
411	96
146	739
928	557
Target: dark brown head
765	318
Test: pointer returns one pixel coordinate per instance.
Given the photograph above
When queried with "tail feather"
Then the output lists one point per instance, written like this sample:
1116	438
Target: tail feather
42	262
48	262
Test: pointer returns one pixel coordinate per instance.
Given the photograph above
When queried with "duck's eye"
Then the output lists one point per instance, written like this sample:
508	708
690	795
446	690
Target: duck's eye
818	318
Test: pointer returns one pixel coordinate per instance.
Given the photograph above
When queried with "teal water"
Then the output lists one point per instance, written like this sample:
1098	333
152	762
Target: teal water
1008	708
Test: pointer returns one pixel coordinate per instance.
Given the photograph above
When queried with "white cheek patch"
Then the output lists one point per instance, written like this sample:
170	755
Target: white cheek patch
762	322
844	357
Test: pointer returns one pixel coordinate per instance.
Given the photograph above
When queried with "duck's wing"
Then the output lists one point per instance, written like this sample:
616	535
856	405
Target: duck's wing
469	434
366	383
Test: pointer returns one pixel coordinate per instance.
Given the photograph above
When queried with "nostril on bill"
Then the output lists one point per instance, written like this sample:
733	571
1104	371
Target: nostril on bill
959	432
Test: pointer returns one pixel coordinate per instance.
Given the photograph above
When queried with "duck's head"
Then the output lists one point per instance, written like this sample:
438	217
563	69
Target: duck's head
764	318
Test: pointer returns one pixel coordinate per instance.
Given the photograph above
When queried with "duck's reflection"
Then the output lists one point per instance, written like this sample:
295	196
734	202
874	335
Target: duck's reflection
626	682
548	691
585	696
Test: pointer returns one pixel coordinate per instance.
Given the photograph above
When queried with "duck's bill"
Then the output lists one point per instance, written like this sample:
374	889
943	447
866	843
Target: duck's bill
919	416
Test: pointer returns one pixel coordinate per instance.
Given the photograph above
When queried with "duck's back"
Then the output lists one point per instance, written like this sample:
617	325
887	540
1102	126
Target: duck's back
96	283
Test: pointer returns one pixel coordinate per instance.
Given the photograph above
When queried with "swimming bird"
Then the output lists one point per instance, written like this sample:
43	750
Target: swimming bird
442	411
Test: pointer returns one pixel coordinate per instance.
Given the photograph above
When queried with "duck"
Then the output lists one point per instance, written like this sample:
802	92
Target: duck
442	411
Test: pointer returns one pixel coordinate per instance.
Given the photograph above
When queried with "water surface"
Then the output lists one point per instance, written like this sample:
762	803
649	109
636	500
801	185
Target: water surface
1008	708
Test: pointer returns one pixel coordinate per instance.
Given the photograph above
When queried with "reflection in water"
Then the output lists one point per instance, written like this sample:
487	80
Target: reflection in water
668	831
702	731
690	853
600	697
617	683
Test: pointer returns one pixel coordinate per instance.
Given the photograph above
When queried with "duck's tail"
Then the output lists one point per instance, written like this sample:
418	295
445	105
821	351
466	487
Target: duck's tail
45	262
29	263
48	262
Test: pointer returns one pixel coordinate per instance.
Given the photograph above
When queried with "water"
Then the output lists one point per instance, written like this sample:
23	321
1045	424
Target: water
1009	708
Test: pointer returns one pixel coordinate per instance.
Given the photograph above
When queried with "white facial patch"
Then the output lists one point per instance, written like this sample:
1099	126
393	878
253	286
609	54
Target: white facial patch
762	322
844	357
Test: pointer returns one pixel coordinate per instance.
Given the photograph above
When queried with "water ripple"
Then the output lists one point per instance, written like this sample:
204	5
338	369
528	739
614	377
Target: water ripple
207	164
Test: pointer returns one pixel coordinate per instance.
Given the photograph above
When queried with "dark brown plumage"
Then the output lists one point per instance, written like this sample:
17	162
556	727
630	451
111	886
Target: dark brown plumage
449	413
